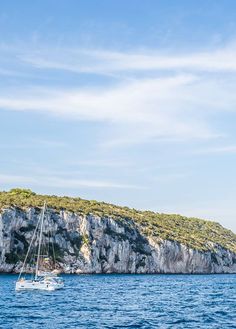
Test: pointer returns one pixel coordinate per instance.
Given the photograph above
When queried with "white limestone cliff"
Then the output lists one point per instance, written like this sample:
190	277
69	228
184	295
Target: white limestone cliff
91	244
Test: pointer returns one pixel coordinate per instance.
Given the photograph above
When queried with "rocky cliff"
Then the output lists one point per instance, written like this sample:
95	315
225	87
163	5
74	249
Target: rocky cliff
86	243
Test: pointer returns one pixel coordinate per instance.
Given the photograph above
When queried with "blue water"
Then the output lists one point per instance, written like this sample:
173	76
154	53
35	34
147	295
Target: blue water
123	301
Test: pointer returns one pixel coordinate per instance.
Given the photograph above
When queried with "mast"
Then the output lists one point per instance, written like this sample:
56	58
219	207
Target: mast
40	240
28	251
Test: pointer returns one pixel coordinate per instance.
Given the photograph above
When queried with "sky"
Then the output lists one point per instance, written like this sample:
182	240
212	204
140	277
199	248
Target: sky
129	102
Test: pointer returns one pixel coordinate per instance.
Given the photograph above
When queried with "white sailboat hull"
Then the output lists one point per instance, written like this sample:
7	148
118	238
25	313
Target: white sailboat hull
43	280
38	285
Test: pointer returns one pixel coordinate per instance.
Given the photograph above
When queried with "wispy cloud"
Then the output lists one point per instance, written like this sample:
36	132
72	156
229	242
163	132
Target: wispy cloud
171	99
33	144
100	163
170	177
228	149
59	182
140	110
102	61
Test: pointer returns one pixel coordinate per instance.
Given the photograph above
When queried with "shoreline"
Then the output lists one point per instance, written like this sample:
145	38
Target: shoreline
128	274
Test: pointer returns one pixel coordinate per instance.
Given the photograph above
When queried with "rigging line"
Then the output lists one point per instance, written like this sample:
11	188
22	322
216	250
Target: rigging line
48	238
53	252
43	251
32	259
53	249
50	234
40	240
49	243
52	244
27	254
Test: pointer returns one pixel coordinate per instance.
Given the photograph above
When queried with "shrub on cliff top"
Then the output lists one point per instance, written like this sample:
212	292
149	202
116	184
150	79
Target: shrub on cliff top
21	192
193	232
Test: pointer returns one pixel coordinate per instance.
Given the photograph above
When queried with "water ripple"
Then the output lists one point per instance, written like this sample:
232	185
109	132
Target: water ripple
123	301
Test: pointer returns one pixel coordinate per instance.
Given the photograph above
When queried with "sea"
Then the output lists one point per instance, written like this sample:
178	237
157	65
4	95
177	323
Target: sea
123	301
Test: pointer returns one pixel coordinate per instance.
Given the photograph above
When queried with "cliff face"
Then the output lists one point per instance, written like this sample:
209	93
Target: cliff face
92	244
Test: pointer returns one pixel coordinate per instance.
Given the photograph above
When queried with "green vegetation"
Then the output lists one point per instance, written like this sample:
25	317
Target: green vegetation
193	232
12	258
55	250
85	239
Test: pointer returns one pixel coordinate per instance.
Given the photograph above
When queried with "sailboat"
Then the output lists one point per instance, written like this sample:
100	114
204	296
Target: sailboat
41	279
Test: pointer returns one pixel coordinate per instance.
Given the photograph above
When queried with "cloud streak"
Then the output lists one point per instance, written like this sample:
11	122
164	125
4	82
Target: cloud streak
59	182
140	110
104	62
228	149
158	96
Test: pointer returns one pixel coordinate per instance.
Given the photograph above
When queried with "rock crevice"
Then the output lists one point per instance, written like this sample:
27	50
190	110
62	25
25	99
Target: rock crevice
93	244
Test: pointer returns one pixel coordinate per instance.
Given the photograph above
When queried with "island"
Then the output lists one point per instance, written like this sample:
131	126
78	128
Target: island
97	237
